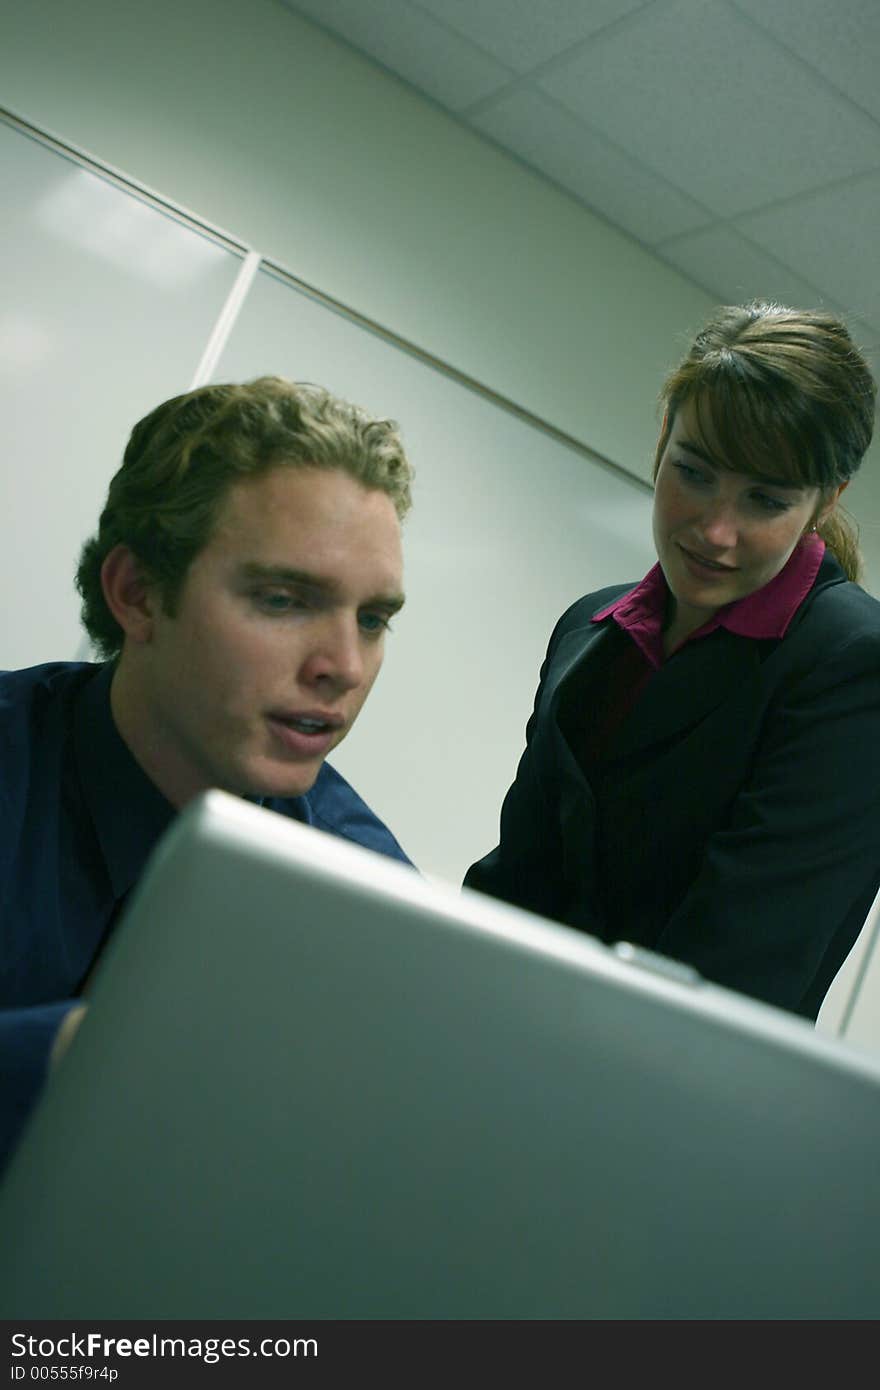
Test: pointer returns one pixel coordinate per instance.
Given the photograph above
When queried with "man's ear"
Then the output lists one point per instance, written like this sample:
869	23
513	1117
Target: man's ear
130	597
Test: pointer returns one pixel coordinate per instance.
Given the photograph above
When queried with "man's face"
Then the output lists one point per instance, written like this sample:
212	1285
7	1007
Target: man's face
278	637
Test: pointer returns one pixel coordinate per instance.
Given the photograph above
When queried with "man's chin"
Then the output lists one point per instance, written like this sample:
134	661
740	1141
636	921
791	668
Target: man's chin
280	784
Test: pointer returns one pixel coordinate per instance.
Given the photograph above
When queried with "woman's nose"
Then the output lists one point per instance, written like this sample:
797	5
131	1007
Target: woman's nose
718	525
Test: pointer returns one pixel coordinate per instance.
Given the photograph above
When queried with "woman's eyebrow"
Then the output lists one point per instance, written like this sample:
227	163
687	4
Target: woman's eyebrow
690	448
786	484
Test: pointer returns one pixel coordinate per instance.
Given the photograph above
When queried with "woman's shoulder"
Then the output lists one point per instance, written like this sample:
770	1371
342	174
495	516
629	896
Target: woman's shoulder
584	609
837	607
578	617
835	633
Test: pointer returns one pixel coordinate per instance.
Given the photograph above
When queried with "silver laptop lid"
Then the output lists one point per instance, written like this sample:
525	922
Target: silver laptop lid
313	1085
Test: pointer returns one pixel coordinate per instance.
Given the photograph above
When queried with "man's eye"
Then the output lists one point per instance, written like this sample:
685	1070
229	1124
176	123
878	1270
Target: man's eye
373	624
276	601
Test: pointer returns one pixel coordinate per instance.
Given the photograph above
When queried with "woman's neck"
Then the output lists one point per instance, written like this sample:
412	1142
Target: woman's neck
681	621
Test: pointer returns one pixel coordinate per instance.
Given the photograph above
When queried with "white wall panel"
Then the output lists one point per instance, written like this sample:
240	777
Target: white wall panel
263	124
509	526
105	307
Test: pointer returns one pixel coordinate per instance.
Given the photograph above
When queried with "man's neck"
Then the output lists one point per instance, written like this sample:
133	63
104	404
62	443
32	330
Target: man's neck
144	740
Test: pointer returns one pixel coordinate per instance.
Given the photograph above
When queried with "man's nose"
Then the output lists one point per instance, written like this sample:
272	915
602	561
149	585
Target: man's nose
337	653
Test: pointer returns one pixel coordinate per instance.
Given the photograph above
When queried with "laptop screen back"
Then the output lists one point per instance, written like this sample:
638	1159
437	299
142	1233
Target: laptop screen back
311	1084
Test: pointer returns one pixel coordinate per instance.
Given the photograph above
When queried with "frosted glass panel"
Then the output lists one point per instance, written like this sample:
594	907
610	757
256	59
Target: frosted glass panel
105	308
508	528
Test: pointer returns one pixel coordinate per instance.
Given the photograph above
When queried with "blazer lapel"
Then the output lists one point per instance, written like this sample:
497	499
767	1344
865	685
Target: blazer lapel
693	682
581	656
683	691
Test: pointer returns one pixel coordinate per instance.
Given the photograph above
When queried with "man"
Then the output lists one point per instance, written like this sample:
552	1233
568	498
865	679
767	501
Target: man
239	588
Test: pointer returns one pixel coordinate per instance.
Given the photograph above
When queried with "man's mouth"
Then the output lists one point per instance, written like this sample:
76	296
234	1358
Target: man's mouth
307	725
313	722
308	734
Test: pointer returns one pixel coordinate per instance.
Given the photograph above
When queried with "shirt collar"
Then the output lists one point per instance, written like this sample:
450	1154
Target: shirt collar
128	811
766	613
769	611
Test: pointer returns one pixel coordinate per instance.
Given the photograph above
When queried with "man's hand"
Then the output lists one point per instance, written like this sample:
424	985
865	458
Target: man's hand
65	1034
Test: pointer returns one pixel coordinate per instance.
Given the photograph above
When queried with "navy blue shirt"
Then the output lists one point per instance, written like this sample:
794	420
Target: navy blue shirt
78	821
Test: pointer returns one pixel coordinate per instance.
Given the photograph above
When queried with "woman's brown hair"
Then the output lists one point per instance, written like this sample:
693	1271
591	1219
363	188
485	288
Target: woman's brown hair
780	393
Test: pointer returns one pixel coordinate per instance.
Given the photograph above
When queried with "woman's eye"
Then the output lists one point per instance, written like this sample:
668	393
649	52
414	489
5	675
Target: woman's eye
770	504
690	474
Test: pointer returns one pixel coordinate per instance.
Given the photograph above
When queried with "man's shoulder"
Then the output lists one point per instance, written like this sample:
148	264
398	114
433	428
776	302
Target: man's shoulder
36	727
36	705
334	806
34	687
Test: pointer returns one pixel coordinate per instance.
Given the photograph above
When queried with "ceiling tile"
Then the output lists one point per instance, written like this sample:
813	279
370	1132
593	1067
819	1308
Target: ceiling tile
676	113
840	38
831	236
734	270
695	91
524	33
589	166
437	61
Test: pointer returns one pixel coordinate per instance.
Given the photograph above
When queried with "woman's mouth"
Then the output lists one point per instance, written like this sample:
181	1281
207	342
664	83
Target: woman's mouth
703	567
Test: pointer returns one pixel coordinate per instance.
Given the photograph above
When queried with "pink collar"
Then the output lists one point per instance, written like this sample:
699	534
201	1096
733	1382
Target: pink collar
765	613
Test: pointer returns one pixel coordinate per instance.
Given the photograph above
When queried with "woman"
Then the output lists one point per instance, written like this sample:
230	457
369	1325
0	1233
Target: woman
702	765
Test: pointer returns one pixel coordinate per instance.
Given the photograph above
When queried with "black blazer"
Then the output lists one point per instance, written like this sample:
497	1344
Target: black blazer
734	821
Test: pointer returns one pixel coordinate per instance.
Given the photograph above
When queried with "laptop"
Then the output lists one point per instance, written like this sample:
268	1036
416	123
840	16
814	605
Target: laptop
312	1084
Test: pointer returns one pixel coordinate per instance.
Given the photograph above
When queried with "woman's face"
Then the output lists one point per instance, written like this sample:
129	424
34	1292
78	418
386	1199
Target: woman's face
721	535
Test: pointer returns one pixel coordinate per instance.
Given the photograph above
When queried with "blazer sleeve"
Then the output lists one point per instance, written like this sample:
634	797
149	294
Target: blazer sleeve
526	866
785	886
